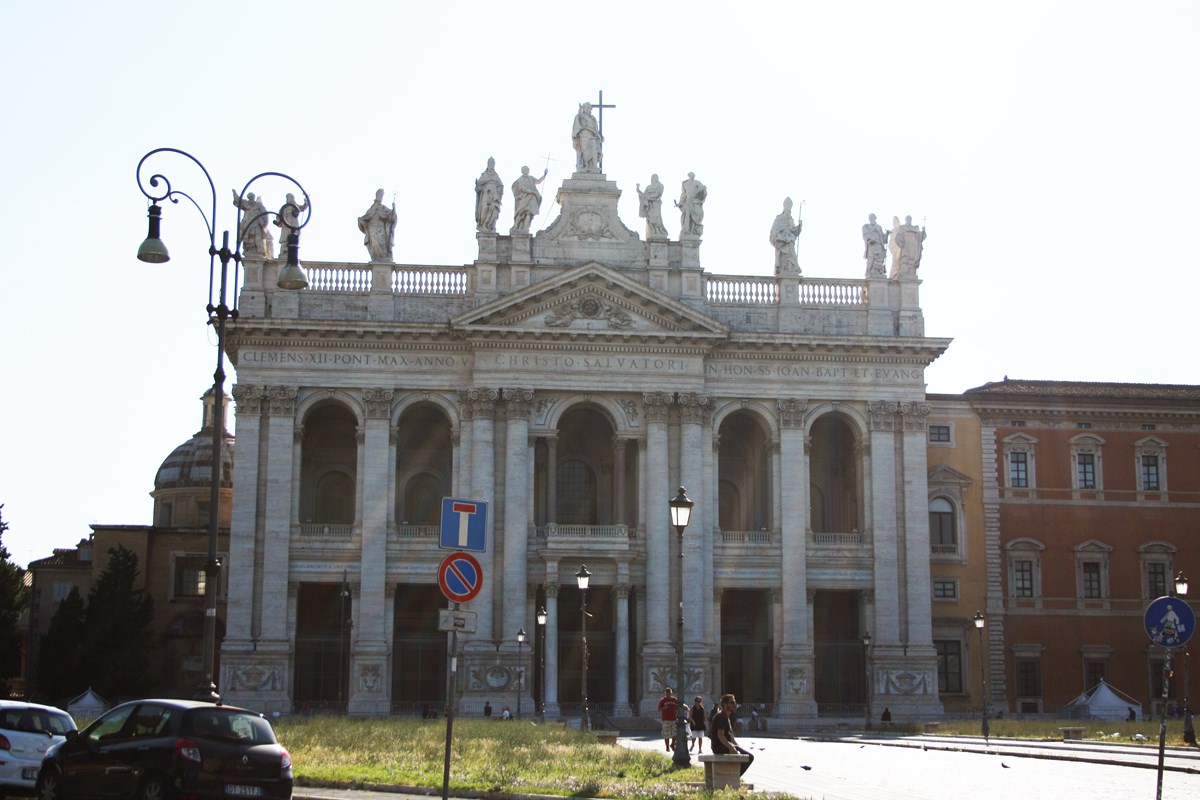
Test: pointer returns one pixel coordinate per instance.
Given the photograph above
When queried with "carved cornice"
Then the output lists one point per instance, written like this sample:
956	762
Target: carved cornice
247	399
891	415
378	403
692	406
281	400
791	412
658	405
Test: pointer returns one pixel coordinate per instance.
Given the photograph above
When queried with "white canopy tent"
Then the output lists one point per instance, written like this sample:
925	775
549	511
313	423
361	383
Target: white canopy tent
1103	701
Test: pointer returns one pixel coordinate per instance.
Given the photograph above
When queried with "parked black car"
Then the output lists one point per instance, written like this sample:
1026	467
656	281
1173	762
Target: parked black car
169	750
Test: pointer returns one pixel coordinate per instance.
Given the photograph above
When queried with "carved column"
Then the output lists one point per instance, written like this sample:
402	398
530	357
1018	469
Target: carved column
692	410
551	676
464	446
239	575
885	516
796	653
519	402
914	438
551	478
658	654
621	701
618	445
277	496
483	403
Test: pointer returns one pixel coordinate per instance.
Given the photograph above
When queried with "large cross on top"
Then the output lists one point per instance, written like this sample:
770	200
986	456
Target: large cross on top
600	123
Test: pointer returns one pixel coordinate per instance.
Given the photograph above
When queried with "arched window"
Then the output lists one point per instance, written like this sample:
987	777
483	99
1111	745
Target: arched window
335	499
423	500
943	530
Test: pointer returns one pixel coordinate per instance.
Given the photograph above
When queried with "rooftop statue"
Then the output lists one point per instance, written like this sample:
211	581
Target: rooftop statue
650	208
874	247
378	225
527	200
586	138
907	245
253	233
288	220
488	192
691	206
784	233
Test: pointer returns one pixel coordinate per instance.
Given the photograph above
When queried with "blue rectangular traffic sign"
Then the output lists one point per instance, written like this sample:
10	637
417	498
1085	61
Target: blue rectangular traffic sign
464	524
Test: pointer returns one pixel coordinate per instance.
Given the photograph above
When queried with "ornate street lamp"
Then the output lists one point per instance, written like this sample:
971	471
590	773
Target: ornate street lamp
983	703
581	579
520	669
541	621
681	515
866	640
153	251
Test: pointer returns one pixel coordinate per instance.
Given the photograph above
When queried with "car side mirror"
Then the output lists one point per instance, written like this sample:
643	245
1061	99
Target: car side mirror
72	736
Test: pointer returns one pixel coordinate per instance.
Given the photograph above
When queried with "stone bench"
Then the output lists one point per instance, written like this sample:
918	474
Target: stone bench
1069	733
607	737
723	771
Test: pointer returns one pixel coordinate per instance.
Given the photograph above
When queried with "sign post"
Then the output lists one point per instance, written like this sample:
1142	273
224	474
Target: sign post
1169	623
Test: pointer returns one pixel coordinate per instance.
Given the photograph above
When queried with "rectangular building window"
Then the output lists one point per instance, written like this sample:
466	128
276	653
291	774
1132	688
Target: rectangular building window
1094	671
1018	470
1156	579
945	590
939	433
189	577
1092	587
1150	473
949	665
1023	578
1029	677
1086	466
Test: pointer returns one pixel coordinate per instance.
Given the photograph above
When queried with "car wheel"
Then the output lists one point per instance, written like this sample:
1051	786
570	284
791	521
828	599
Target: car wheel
49	784
152	789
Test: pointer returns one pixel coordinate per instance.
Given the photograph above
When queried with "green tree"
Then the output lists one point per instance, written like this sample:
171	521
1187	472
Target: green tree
118	639
14	596
62	671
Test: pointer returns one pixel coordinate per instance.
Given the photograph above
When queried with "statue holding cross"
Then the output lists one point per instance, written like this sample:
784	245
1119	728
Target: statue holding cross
586	138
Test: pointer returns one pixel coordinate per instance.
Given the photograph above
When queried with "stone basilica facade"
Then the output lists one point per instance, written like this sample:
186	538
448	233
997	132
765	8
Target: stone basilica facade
573	378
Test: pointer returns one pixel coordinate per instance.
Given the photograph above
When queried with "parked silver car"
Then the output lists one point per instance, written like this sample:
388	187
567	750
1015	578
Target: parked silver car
27	730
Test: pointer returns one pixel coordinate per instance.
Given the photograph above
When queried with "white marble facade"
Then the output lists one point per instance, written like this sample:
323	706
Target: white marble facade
574	378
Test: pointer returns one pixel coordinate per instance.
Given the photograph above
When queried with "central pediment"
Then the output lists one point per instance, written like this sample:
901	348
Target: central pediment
589	300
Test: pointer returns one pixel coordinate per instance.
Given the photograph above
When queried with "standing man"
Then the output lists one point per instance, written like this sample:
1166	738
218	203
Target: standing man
527	199
691	206
586	138
720	732
378	227
488	191
668	709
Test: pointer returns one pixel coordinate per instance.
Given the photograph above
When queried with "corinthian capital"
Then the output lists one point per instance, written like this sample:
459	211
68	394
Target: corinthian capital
658	405
378	403
692	407
518	401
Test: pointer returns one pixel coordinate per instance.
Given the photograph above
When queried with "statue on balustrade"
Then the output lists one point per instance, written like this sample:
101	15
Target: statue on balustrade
288	220
650	208
875	247
488	191
253	233
691	206
379	229
784	233
907	245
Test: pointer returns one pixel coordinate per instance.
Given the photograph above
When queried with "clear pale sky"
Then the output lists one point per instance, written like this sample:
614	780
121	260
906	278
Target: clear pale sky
1049	147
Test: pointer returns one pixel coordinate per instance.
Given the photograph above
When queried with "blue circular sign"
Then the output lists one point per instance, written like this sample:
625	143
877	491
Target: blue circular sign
1170	622
460	577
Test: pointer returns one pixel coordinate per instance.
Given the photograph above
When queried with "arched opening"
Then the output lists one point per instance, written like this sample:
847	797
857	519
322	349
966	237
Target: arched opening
424	465
584	469
744	475
329	466
835	475
943	532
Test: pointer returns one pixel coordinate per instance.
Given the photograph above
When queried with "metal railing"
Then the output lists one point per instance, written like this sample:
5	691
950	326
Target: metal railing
326	530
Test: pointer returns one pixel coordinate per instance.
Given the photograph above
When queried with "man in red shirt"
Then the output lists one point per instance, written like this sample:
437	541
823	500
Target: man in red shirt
668	709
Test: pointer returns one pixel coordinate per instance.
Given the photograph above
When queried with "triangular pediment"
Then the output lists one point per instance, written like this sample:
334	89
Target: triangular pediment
942	474
590	300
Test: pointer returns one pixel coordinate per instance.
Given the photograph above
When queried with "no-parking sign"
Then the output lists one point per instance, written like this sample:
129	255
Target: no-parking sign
460	577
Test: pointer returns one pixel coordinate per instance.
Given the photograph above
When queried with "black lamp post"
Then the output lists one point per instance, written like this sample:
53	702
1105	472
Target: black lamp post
541	621
681	515
866	640
520	669
983	700
153	251
582	578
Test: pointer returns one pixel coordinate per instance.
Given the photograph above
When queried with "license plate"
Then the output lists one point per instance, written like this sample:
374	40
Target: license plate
29	773
235	790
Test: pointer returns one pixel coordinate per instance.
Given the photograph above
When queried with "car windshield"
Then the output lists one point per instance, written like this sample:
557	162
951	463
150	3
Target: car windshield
35	720
228	724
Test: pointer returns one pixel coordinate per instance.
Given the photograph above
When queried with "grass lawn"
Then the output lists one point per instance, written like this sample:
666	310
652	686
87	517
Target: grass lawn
518	757
1048	729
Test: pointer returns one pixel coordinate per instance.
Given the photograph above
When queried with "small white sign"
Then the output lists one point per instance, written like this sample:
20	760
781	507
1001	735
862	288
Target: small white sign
452	620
